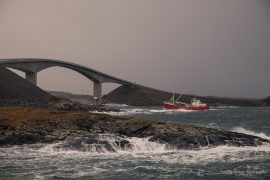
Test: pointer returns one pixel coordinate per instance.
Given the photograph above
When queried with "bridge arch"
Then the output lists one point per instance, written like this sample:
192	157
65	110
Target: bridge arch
31	67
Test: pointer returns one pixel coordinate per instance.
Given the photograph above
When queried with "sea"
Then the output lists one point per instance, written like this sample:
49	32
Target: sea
150	160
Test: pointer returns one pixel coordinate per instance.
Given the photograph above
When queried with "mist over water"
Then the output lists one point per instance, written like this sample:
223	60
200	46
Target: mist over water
149	160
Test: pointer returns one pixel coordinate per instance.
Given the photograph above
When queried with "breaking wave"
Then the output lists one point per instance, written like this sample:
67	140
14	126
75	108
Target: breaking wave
246	131
114	105
134	111
107	143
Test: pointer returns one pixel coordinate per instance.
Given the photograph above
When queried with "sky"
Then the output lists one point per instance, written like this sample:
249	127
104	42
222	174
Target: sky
204	47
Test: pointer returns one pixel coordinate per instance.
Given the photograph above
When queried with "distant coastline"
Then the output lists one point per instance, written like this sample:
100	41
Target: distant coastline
144	96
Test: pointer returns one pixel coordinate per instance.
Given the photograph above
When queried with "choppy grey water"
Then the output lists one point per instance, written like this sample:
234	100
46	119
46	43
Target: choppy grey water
148	160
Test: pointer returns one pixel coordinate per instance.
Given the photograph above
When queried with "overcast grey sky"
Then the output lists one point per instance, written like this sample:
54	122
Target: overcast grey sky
205	47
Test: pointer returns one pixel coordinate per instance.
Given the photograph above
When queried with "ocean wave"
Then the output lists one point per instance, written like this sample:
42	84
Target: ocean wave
134	111
218	154
106	143
115	105
229	107
250	132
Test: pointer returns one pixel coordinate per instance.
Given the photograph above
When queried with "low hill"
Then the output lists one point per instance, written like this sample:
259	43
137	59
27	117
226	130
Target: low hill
144	96
15	89
136	96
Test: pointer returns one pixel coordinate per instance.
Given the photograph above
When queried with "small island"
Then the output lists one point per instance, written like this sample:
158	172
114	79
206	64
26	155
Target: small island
22	125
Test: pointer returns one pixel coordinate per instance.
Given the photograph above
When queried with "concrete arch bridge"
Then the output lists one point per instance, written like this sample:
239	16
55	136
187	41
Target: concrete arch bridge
31	67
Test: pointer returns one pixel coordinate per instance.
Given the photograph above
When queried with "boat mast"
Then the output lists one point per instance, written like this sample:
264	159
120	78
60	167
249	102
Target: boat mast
179	97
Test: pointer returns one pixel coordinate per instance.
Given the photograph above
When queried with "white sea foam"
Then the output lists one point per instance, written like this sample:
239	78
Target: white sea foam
134	111
246	131
227	107
125	112
115	105
217	154
138	145
166	110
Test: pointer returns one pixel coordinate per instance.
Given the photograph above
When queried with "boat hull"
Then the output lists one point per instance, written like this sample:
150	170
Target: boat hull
171	106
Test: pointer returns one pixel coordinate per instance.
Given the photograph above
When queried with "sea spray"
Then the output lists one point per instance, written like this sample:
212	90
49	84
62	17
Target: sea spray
106	143
250	132
141	111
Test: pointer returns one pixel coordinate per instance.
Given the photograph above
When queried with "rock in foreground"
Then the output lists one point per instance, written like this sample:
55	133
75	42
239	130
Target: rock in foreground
20	125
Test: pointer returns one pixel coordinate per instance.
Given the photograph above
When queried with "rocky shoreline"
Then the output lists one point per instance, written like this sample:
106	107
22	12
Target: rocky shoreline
20	125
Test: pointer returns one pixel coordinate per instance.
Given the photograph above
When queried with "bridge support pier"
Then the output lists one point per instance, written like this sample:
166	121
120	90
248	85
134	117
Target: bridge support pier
98	92
31	77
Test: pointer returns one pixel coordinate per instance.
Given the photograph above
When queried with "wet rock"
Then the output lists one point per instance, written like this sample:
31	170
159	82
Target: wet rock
124	145
195	139
85	123
4	126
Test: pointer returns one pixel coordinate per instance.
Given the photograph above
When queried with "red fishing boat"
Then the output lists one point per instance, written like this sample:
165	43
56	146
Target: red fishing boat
194	105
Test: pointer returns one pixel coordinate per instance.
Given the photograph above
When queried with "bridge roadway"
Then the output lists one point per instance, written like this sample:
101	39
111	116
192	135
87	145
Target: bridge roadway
31	67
